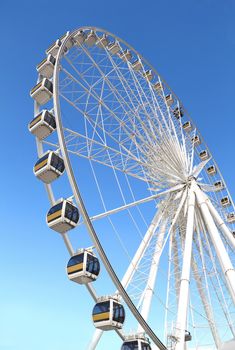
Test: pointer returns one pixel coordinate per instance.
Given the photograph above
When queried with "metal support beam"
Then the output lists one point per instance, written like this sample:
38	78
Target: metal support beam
185	276
134	204
225	262
152	276
141	250
228	234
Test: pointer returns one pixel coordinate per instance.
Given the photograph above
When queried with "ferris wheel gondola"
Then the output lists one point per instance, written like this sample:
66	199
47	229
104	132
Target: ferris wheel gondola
83	267
54	48
63	216
49	167
43	124
118	124
46	66
136	342
108	314
42	92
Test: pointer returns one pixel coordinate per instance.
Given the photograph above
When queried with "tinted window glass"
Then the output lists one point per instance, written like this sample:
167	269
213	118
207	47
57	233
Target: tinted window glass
48	85
101	307
57	162
50	119
71	213
52	59
55	208
145	346
37	116
118	313
133	345
77	259
42	159
92	264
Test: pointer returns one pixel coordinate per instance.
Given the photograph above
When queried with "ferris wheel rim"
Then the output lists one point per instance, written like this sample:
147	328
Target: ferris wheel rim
56	71
81	205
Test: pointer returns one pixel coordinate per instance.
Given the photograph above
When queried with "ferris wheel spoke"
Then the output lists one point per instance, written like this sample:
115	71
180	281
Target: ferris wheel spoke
152	126
140	201
122	196
125	88
156	111
128	132
94	95
169	163
123	148
100	78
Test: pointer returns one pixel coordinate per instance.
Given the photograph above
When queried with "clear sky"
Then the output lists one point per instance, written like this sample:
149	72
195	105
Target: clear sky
191	44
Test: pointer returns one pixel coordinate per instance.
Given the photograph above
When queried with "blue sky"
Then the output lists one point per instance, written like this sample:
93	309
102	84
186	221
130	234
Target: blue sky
191	44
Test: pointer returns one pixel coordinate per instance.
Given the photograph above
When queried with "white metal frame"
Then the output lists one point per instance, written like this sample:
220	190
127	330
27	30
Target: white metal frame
185	186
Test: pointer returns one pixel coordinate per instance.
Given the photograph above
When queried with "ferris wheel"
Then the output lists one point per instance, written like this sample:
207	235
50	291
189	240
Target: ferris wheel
138	187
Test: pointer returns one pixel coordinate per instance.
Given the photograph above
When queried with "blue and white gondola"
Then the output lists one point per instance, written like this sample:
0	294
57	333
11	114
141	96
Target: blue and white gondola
42	125
83	267
49	167
42	92
63	216
108	314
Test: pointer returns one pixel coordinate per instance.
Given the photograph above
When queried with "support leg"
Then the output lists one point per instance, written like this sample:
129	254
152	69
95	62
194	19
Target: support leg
152	276
225	262
221	223
185	277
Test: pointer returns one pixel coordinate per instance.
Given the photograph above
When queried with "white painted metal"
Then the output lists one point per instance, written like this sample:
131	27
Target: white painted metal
181	324
217	287
176	264
148	293
220	222
206	304
222	254
204	291
165	157
168	289
160	245
83	211
133	204
140	251
138	256
95	339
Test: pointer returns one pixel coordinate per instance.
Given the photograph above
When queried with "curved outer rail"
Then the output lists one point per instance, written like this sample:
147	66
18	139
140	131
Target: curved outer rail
82	208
